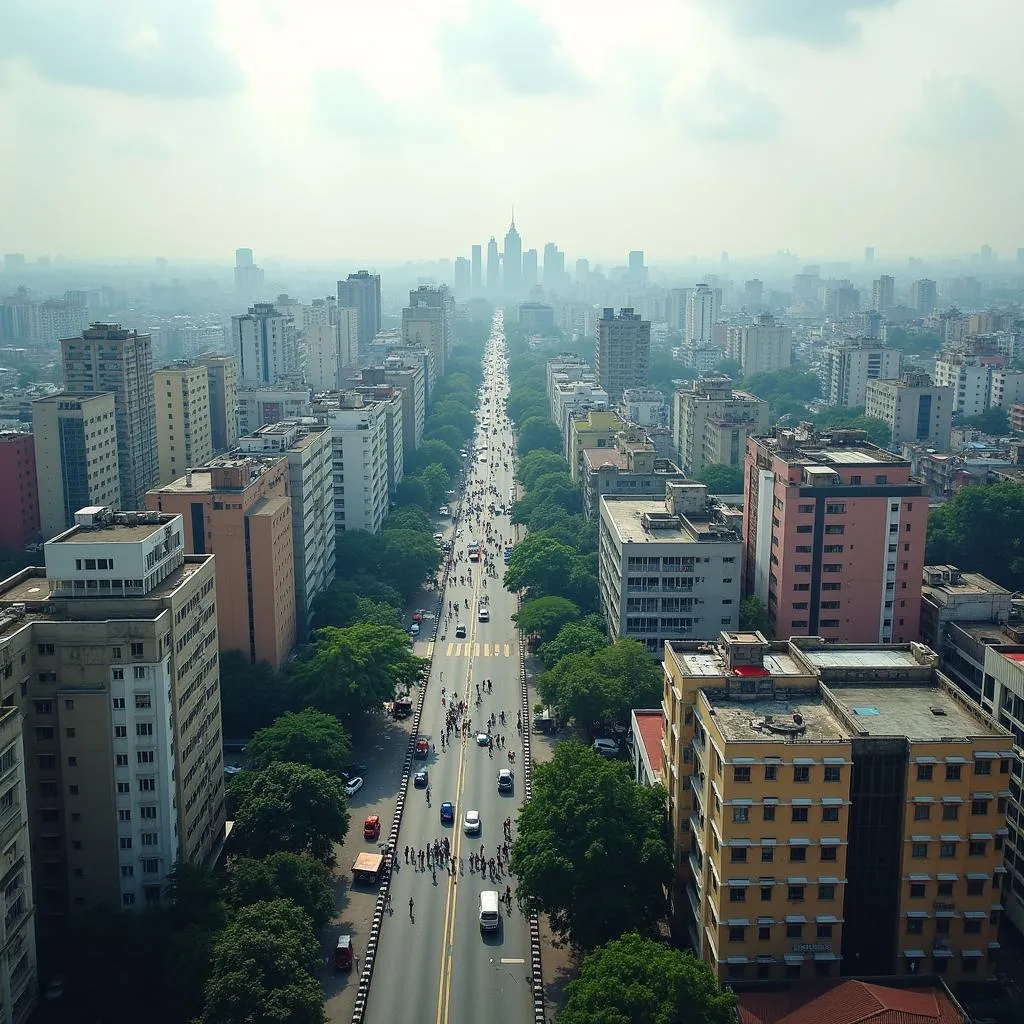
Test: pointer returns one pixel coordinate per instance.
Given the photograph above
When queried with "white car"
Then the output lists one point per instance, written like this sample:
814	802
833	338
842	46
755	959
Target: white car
606	747
471	823
444	511
353	786
414	629
505	781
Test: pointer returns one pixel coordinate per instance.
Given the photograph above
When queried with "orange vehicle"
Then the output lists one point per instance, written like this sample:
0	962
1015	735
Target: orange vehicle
371	827
422	748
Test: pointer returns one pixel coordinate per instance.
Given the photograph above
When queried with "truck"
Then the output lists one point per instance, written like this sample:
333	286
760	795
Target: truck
483	611
367	868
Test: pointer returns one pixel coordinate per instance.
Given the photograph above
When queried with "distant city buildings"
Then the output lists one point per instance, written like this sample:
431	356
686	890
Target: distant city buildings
361	292
263	341
923	296
248	276
761	347
426	322
883	293
850	363
222	384
623	352
19	493
699	351
916	409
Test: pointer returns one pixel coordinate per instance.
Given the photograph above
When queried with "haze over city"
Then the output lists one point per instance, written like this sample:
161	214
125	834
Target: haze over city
401	130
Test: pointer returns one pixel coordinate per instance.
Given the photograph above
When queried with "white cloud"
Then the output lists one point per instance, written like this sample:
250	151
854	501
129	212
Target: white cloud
958	109
824	23
723	109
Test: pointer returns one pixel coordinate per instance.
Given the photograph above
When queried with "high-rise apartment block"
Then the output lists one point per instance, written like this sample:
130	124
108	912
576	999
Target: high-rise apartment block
462	277
239	510
699	349
477	269
107	358
512	261
883	293
761	347
311	490
426	321
631	469
712	421
248	277
916	410
222	384
183	428
834	533
851	363
924	296
623	352
19	493
669	568
969	374
264	342
834	809
256	407
347	327
554	267
76	454
753	295
115	645
1007	388
409	380
361	292
323	357
493	267
530	269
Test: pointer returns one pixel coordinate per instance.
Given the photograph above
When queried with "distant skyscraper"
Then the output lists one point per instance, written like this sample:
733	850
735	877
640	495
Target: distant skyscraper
263	340
462	277
361	292
869	254
493	267
582	271
883	293
753	294
529	269
248	277
554	266
637	270
477	269
923	296
699	350
513	262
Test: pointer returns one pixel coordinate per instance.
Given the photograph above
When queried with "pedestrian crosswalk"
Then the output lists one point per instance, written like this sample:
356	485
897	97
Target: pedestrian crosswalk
478	650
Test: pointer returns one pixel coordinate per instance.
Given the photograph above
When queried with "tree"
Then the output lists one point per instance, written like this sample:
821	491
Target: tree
730	368
582	637
302	737
288	807
792	383
993	421
539	463
378	613
634	679
415	519
409	558
263	969
437	480
412	491
291	876
251	696
539	564
434	451
633	980
444	433
358	553
591	850
539	432
543	617
754	616
722	479
452	413
339	604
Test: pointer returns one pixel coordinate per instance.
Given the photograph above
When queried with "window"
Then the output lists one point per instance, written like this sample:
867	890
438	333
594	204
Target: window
741	773
795	893
832	773
826	892
798	854
972	926
977	848
148	811
125	842
121	760
144	757
975	886
764	932
824	931
947	850
740	815
950	812
120	731
149	839
147	785
124	814
917	890
767	854
924	772
830	853
830	814
768	811
123	787
150	865
919	850
834	531
738	855
770	772
945	889
952	772
982	766
766	894
922	812
144	729
143	701
136	650
737	894
979	807
737	933
835	508
127	899
127	871
799	814
794	931
915	925
801	773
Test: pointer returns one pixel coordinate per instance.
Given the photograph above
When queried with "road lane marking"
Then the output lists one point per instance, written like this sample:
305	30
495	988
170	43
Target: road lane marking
512	960
506	650
450	647
430	649
476	650
487	650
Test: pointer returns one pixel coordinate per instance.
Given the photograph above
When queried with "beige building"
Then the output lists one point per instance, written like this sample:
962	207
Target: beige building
111	654
76	457
916	410
183	433
712	421
761	347
851	362
222	382
631	469
623	355
595	428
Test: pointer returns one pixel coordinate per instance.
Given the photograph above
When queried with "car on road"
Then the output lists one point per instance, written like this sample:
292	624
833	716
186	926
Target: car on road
483	458
606	747
422	747
353	786
460	632
447	812
417	616
414	629
439	538
505	781
483	740
471	823
444	511
420	780
371	827
343	953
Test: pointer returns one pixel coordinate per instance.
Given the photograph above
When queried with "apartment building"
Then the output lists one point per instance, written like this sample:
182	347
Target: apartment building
1007	388
712	421
111	654
426	322
259	406
311	490
952	601
646	407
834	534
916	410
761	347
239	509
703	305
631	469
222	386
76	453
597	428
575	399
564	368
835	809
969	374
623	357
359	447
107	358
183	429
390	400
361	292
669	568
264	342
19	497
850	363
410	383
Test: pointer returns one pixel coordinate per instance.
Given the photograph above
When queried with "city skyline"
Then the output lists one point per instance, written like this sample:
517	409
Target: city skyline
737	152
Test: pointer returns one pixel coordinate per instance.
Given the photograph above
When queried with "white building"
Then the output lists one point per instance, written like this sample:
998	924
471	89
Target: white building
347	327
699	349
851	363
575	398
1007	388
761	347
264	342
669	568
565	368
916	410
260	406
646	407
323	357
970	377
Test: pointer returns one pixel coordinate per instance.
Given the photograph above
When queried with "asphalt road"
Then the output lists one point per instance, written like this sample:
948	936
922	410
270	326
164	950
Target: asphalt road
438	965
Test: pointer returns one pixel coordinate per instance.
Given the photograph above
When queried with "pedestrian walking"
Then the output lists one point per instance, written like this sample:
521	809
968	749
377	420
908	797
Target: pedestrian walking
411	905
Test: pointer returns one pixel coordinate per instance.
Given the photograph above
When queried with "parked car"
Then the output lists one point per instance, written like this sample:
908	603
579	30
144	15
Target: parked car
343	953
422	748
460	632
371	827
353	786
417	616
447	813
606	747
414	629
471	823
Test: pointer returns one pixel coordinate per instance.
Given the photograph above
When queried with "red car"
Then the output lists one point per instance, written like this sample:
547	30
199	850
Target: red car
422	748
371	828
417	616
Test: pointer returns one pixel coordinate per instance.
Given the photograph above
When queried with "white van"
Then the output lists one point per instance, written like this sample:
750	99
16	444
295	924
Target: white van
489	915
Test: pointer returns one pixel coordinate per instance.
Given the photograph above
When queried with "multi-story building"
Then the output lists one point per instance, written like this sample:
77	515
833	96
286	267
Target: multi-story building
883	293
493	268
512	261
427	320
346	326
574	399
323	357
537	316
970	377
463	288
361	292
19	496
669	568
567	368
1017	417
760	347
311	490
411	383
834	533
264	342
850	363
259	406
699	349
646	407
1007	388
54	319
391	401
915	409
76	452
848	794
222	385
359	446
477	269
108	359
239	509
115	648
596	428
630	469
183	428
248	276
923	296
623	352
712	421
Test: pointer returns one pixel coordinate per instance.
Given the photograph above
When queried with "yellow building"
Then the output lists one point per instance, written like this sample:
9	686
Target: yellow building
597	428
183	433
835	809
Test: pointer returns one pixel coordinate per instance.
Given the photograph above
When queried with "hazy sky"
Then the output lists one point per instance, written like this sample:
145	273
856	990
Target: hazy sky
405	128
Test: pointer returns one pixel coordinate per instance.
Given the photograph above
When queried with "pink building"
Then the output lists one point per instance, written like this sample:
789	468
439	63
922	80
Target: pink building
834	534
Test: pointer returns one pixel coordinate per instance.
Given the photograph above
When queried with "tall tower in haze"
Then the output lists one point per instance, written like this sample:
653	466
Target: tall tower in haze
493	267
361	292
513	260
477	261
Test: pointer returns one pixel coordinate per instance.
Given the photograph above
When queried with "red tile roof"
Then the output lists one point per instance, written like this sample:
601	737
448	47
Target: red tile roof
849	1002
651	725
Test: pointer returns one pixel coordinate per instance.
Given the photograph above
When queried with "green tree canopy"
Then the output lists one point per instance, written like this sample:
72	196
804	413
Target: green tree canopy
445	433
378	613
993	421
722	479
409	558
451	413
591	849
539	432
539	463
289	807
339	604
754	616
437	480
251	696
633	980
540	565
302	737
543	617
434	451
290	876
792	383
412	492
415	519
582	637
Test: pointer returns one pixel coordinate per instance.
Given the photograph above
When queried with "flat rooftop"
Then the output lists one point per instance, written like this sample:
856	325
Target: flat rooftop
968	584
856	658
744	721
919	712
112	533
712	665
597	457
651	726
819	449
626	517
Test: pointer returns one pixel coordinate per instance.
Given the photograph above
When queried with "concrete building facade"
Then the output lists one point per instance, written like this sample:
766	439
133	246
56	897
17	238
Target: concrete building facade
264	342
597	428
411	383
19	496
259	406
970	377
761	347
426	321
361	292
1007	388
623	352
631	469
222	384
183	428
916	410
851	363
